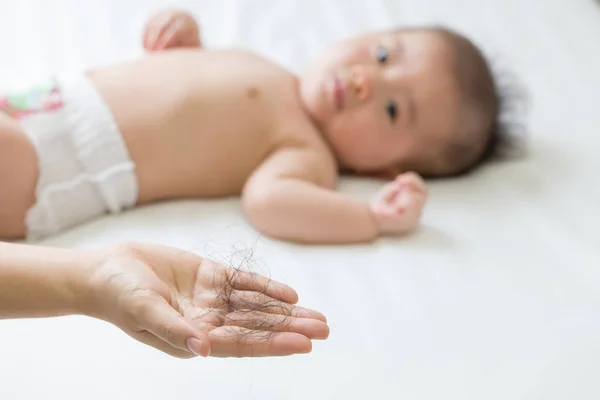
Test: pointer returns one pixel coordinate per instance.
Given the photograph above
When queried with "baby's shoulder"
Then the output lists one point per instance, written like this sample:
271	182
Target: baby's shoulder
303	147
245	59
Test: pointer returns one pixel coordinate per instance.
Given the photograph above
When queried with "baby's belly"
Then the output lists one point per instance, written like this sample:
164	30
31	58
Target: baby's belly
189	161
184	158
182	145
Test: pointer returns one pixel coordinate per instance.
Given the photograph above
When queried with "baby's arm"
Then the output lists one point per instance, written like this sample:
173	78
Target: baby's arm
285	199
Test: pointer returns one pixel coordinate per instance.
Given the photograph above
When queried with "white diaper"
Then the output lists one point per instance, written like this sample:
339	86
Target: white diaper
84	167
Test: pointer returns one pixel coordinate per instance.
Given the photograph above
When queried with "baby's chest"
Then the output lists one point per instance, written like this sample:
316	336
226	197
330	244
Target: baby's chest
241	113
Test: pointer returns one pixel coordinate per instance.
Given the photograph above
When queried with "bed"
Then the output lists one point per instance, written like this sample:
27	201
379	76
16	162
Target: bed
497	296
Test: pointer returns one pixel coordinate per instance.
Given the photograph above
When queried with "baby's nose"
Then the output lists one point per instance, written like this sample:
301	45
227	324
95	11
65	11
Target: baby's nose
359	81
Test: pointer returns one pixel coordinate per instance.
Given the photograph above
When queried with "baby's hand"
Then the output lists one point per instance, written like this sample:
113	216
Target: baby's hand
170	29
399	205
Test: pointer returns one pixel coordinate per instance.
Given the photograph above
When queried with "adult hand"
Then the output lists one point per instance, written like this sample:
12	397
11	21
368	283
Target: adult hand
185	305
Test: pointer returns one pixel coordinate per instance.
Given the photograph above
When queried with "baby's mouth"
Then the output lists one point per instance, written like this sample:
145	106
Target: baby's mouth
339	93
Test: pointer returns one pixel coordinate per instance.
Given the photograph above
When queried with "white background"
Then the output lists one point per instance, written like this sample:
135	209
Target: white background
496	297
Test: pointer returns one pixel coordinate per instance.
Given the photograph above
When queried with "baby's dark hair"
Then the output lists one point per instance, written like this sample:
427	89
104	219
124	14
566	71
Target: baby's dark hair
483	134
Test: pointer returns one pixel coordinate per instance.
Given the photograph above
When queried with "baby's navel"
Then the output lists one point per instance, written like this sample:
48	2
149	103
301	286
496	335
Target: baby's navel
253	92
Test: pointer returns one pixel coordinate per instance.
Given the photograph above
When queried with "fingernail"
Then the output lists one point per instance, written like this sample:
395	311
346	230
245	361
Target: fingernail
195	346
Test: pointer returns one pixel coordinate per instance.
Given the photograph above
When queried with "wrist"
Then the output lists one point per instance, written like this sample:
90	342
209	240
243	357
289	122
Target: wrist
95	284
376	225
80	284
72	270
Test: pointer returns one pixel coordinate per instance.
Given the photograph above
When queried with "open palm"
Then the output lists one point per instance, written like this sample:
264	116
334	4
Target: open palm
185	305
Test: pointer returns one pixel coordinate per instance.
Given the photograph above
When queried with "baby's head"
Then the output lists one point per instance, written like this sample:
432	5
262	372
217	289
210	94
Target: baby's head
420	100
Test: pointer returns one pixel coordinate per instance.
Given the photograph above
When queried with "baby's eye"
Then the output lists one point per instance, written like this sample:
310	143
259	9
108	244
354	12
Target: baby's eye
382	55
392	110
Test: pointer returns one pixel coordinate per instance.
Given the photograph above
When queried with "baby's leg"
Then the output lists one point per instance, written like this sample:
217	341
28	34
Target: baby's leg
63	160
18	177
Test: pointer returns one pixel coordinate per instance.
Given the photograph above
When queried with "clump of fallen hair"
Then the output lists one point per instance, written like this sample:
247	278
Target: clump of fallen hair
236	310
246	308
493	107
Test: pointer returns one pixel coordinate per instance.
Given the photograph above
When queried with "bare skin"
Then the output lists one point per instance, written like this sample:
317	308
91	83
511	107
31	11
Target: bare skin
192	118
228	122
172	300
18	171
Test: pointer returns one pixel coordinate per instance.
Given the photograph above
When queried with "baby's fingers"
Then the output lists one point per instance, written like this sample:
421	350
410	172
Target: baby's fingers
152	34
412	181
155	30
409	201
168	34
387	194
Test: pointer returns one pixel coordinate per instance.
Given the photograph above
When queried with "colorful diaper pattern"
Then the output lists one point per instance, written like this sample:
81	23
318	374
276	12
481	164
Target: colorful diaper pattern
39	99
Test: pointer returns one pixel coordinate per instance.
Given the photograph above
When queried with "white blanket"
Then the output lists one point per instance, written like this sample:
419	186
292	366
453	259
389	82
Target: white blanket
496	297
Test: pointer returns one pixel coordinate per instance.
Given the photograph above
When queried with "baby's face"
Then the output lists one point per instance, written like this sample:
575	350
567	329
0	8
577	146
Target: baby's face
386	102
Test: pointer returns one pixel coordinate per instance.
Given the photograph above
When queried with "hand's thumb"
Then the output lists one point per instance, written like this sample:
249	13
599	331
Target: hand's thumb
164	322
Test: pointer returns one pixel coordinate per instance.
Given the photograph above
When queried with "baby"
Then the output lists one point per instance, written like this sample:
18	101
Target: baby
183	122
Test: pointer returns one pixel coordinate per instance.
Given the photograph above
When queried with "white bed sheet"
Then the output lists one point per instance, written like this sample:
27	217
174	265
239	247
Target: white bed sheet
496	297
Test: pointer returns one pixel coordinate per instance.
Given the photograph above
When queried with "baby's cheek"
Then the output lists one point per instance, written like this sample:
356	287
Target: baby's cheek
356	136
353	129
366	128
